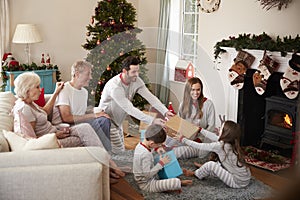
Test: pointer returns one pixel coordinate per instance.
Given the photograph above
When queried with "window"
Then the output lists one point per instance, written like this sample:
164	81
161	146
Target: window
189	40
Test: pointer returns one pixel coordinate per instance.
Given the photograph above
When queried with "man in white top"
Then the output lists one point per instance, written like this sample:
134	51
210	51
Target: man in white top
116	100
72	103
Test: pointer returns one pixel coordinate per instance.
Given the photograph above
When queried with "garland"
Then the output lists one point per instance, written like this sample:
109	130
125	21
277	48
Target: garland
26	67
260	42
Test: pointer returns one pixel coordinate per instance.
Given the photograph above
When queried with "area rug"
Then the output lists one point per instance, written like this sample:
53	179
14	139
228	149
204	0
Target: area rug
209	188
266	160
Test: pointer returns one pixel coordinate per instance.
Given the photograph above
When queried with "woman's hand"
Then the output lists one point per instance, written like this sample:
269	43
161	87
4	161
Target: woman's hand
169	114
62	134
59	87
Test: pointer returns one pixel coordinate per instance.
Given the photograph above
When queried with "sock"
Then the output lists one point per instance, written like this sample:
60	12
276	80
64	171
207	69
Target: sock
264	71
289	81
238	70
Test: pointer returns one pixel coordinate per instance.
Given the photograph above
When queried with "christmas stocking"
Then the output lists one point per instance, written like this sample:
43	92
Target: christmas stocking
264	70
238	70
290	80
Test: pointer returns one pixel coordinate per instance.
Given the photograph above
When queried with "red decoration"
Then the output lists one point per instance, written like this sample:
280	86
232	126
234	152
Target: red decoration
190	71
108	68
170	108
108	38
180	75
98	42
48	59
43	59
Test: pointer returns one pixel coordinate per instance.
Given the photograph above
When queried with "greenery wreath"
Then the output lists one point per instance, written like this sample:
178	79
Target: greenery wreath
259	42
26	67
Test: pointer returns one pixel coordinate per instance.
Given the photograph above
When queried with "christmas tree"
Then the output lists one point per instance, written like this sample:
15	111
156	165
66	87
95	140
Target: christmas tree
111	37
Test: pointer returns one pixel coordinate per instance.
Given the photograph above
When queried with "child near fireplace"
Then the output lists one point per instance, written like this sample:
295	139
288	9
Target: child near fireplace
230	167
144	170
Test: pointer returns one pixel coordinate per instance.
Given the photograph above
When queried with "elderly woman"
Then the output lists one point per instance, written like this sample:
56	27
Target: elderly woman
27	89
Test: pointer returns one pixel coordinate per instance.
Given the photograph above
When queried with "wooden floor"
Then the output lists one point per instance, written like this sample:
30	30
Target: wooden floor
123	191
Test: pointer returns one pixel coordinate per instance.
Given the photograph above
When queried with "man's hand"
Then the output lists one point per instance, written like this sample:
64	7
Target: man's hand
102	114
169	114
159	121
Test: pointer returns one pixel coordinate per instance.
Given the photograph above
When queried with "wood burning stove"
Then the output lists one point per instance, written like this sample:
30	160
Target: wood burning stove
281	115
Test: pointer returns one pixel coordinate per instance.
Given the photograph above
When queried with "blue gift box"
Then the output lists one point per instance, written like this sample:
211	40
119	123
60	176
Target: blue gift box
142	132
170	170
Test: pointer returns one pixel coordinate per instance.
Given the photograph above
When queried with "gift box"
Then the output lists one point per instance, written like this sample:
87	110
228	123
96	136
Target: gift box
177	124
170	170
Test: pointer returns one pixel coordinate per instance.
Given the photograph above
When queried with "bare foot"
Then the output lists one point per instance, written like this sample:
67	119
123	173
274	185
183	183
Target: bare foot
197	164
115	169
186	182
187	172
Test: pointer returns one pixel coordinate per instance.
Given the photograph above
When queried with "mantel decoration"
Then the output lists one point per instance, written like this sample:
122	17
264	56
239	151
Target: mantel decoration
259	42
268	4
26	67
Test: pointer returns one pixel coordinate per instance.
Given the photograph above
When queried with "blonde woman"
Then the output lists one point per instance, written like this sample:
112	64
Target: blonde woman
27	89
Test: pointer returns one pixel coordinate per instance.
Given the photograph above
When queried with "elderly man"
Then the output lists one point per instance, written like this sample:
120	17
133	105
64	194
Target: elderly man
72	103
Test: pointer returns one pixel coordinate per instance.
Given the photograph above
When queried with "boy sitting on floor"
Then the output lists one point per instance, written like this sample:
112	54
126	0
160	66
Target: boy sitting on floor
145	172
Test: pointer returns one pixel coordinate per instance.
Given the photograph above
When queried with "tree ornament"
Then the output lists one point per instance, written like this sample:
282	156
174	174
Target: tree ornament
92	20
98	42
112	22
93	93
108	68
121	20
100	82
108	38
121	52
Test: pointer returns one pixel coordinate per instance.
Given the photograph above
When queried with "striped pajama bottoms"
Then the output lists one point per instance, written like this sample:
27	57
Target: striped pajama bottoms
212	168
163	185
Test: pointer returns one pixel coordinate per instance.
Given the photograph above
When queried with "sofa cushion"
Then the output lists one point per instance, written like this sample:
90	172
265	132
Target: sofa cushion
3	143
17	142
41	101
7	101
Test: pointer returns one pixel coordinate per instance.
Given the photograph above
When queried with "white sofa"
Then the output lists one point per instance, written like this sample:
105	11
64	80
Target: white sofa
66	173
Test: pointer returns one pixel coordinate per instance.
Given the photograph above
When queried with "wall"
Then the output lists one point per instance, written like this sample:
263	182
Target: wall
232	18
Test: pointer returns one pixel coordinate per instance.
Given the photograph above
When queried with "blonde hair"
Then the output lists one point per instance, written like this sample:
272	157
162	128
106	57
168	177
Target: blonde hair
24	82
79	66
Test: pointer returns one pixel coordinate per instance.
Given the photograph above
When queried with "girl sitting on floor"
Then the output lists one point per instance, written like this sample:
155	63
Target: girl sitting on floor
231	167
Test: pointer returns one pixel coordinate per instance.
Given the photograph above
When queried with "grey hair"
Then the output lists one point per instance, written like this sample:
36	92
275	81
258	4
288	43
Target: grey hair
24	82
79	66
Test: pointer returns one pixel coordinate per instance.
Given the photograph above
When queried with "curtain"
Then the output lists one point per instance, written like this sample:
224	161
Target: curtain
162	70
4	29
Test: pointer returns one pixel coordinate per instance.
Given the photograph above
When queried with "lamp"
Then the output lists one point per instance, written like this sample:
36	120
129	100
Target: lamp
26	34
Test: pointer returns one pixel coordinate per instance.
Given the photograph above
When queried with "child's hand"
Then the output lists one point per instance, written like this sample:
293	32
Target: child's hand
161	150
165	159
178	136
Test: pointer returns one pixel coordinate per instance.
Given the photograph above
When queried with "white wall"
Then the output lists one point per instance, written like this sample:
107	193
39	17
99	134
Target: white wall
62	24
235	17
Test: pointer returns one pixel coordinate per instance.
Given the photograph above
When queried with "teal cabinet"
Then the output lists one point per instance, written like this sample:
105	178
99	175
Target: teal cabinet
48	79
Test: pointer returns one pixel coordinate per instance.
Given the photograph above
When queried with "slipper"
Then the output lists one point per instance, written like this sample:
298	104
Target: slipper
290	83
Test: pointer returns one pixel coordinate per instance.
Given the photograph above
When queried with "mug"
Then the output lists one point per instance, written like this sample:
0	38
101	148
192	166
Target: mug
64	127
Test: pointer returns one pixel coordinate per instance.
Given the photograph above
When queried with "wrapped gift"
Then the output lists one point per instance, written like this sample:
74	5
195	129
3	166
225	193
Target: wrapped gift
171	169
177	124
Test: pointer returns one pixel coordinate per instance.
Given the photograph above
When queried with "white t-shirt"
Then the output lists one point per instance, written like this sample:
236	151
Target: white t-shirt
76	99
